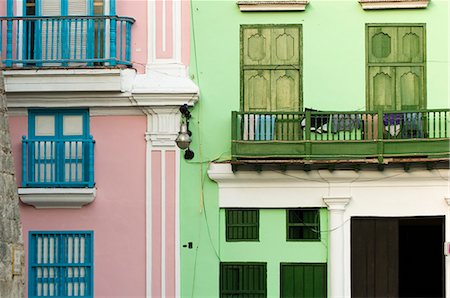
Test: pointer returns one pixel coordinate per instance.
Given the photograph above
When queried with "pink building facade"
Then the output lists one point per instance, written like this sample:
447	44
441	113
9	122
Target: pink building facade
93	91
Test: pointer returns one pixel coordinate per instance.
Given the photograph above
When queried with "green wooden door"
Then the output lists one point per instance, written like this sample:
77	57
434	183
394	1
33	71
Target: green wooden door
303	280
396	67
271	68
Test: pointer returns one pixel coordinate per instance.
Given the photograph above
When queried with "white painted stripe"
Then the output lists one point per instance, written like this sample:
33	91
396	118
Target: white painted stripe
177	41
164	24
163	223
148	213
177	223
151	25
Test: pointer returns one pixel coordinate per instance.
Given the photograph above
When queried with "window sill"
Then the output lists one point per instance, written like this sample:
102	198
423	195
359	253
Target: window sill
272	5
57	197
392	4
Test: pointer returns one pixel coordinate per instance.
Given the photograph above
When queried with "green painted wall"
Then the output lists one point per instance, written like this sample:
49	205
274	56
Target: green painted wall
333	79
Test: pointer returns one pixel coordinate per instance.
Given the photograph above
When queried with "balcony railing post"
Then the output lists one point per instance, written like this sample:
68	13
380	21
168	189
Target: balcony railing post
9	43
91	162
112	35
380	142
234	124
308	150
128	42
24	161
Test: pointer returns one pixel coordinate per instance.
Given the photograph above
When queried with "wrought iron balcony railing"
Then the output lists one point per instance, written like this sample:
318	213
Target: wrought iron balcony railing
67	162
65	41
340	135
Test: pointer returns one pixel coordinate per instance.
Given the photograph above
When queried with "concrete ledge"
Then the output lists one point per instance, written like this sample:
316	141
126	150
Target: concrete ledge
51	80
57	197
273	5
393	4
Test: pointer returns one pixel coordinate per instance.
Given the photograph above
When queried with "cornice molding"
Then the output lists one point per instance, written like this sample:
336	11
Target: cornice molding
222	173
272	5
92	88
392	4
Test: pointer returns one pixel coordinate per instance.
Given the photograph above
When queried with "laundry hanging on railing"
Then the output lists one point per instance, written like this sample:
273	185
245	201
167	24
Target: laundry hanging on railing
392	123
345	122
319	123
258	127
412	125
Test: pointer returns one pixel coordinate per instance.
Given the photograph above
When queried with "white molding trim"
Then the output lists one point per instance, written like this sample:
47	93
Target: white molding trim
116	111
272	5
51	80
393	4
57	197
177	25
336	203
163	126
163	223
251	189
151	34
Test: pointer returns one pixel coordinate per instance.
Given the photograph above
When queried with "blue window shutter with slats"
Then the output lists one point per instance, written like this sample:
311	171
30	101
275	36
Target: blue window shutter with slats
60	264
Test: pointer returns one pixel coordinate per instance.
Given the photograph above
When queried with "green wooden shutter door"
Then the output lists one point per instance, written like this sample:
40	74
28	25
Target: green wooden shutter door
303	280
271	68
396	67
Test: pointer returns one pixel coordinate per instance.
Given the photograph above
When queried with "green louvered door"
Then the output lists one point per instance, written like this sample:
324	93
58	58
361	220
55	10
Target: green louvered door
303	280
396	67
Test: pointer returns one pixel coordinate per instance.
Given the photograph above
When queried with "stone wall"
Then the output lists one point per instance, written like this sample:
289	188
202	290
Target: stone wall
11	243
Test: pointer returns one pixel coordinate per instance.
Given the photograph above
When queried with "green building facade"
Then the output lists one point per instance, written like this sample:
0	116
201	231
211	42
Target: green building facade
273	177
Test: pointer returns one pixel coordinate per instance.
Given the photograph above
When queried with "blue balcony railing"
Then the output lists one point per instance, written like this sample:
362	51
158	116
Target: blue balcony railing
67	162
65	41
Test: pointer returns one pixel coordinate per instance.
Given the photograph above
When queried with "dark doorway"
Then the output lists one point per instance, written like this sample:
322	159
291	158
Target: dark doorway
397	257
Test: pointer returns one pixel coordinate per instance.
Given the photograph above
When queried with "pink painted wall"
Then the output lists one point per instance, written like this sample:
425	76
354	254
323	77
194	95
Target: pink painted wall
164	228
186	31
156	223
136	9
117	216
2	7
170	222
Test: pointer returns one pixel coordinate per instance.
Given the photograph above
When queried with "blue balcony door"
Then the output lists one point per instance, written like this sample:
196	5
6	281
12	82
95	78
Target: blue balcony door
54	40
58	151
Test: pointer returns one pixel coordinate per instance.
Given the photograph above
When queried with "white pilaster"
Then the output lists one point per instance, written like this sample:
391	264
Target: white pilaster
172	66
162	129
447	258
336	208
